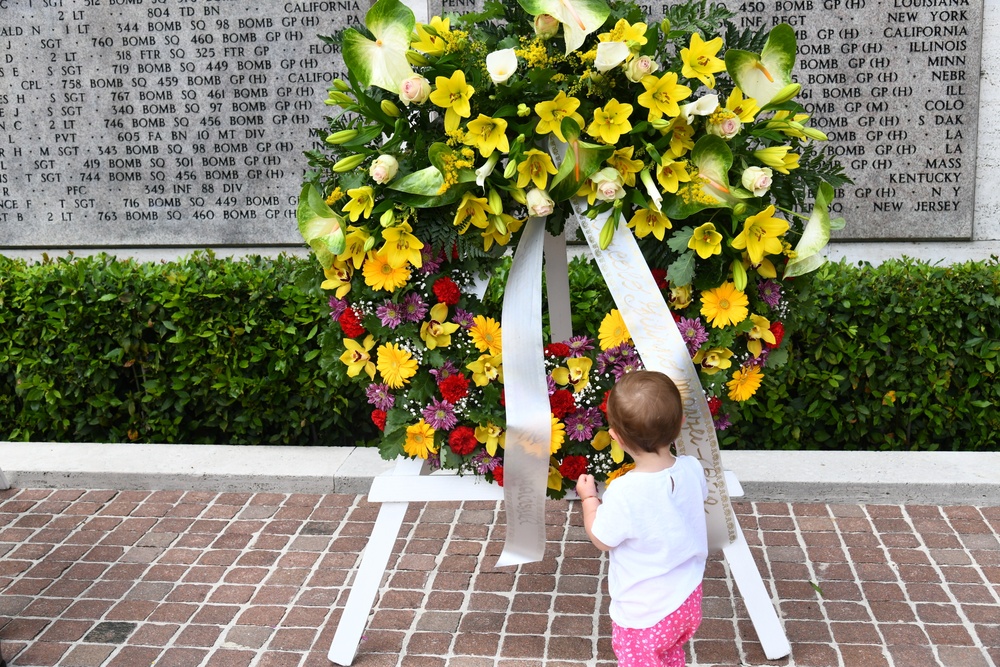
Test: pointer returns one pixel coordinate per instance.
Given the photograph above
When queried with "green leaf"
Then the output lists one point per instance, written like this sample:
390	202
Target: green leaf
678	242
763	76
579	18
381	62
712	157
581	161
681	271
319	226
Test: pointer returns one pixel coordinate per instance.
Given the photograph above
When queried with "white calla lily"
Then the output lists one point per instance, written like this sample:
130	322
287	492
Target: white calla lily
501	65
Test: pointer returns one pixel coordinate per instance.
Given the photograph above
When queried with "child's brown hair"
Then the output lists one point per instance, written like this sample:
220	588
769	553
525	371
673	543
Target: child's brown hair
645	410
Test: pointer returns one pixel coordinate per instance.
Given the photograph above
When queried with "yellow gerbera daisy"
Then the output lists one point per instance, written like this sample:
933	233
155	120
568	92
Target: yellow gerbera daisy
381	275
724	305
745	383
419	440
615	474
613	331
558	435
396	365
486	335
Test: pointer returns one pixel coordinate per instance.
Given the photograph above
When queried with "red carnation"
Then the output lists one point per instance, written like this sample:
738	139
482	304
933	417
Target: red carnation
446	291
462	440
557	350
677	316
498	475
573	466
350	323
503	397
714	403
562	403
778	329
604	403
660	276
454	388
378	417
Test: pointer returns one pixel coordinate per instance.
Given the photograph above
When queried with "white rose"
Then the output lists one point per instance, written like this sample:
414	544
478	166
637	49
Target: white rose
727	128
757	180
540	203
501	65
704	106
546	26
640	67
608	183
610	55
383	169
415	89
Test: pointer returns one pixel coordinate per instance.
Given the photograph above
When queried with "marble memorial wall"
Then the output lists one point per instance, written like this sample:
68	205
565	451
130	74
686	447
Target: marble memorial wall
129	123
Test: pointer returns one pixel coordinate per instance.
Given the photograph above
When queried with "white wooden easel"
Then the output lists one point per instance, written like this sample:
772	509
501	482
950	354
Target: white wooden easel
410	482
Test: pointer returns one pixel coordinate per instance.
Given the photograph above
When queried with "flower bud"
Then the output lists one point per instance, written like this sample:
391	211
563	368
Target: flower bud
348	163
757	180
343	136
493	198
517	194
338	98
640	67
607	233
813	133
417	59
369	243
740	208
510	170
389	109
539	203
340	85
786	93
739	275
386	220
498	222
546	26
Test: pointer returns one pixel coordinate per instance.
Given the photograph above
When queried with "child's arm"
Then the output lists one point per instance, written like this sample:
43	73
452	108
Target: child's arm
586	488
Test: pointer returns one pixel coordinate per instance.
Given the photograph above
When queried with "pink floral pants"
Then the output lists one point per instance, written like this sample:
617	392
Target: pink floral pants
663	644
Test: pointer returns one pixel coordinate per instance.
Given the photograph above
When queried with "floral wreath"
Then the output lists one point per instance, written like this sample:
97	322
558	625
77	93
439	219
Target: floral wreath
439	149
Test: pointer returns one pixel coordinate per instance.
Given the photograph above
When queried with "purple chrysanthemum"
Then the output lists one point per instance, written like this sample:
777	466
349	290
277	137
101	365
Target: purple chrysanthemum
434	461
390	314
758	361
430	260
693	332
337	307
440	415
769	292
380	396
485	463
722	422
414	307
609	358
579	345
462	318
550	381
628	362
446	371
580	425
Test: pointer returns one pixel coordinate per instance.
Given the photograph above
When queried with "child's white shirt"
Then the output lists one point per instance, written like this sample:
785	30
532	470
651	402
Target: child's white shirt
655	524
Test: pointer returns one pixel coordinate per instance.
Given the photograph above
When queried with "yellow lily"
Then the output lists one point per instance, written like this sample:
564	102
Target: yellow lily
535	168
761	235
362	202
338	278
401	246
488	135
700	61
453	96
552	112
491	436
662	95
611	122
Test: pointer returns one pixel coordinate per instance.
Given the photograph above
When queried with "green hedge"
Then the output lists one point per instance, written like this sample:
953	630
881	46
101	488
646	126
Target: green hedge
204	350
208	350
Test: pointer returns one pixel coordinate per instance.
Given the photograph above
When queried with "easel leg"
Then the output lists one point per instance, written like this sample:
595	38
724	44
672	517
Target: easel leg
366	583
758	602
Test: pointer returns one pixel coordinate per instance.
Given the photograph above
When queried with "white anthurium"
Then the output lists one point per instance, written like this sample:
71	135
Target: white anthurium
703	106
610	55
766	77
579	18
381	62
501	65
815	236
655	198
484	172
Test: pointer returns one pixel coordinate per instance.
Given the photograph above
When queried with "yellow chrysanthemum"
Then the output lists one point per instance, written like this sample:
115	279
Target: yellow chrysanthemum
700	61
381	275
706	241
552	112
419	440
613	331
356	357
745	383
535	168
486	335
362	202
611	122
647	221
558	435
401	246
724	305
396	365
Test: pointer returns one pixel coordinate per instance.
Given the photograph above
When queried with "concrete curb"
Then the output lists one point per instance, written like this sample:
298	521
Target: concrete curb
780	476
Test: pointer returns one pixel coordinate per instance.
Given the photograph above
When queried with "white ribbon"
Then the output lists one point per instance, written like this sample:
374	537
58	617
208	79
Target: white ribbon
529	422
661	347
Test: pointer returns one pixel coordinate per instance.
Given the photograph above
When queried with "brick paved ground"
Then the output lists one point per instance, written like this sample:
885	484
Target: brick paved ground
177	579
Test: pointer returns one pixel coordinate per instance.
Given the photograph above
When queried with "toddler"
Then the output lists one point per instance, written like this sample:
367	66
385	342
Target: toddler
652	521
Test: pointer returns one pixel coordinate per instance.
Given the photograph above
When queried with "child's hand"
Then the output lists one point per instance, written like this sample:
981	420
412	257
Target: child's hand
586	486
